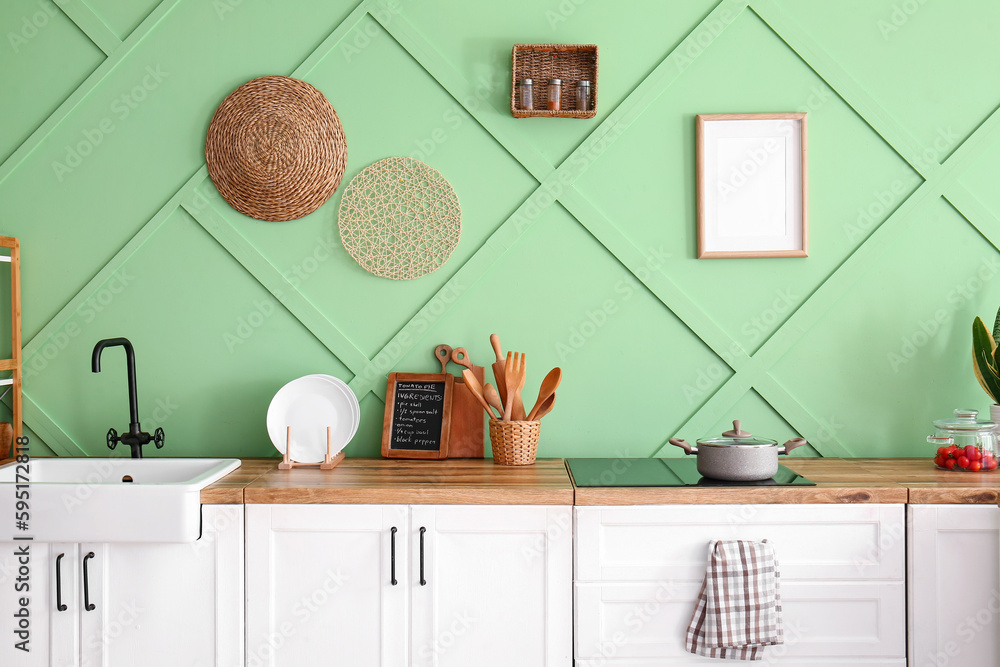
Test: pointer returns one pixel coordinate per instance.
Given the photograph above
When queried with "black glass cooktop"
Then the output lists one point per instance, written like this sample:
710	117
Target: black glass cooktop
662	472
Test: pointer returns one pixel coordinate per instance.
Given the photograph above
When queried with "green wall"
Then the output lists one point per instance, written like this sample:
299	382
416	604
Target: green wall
578	242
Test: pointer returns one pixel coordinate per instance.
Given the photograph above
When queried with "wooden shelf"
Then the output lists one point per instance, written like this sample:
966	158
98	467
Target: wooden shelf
14	364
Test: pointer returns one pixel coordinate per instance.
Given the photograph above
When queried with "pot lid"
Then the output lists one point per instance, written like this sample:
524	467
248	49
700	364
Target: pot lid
737	438
965	421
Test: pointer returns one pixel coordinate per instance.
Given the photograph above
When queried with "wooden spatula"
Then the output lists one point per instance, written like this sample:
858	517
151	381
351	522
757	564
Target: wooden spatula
473	384
517	414
499	372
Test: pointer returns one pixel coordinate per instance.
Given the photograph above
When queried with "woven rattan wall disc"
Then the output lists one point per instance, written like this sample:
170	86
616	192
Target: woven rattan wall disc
276	149
400	219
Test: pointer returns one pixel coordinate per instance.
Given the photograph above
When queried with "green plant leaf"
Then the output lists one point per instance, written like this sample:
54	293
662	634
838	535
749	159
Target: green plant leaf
996	326
984	361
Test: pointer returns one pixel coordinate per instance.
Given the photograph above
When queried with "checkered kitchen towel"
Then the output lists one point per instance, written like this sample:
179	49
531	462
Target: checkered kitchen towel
738	611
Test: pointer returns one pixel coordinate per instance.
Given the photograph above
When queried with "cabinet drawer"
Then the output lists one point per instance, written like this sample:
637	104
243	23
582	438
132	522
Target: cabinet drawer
654	543
821	620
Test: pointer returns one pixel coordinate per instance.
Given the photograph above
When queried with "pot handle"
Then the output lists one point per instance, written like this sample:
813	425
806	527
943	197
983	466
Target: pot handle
683	444
794	443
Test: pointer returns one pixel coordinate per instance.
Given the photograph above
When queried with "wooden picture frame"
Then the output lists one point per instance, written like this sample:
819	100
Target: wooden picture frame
752	185
403	394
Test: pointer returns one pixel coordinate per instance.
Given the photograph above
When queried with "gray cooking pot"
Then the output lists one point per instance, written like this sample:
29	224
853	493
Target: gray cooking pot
738	456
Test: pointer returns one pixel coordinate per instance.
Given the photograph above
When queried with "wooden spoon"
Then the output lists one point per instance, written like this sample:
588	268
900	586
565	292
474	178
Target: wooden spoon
499	366
549	386
546	406
492	397
473	384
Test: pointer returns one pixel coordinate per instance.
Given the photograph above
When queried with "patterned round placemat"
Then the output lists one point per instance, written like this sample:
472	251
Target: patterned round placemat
400	219
276	149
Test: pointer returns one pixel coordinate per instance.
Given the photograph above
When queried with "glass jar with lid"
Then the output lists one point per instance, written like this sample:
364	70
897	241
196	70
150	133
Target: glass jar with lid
964	443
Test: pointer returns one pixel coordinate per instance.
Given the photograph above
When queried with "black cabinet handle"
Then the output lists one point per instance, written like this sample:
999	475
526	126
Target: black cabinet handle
86	585
423	582
393	556
59	603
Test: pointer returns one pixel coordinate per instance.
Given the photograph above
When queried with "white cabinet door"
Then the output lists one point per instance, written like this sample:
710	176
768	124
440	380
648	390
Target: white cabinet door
27	574
954	585
639	570
320	585
491	586
162	605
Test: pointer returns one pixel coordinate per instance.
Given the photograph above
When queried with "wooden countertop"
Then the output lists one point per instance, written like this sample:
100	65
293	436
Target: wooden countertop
471	481
229	489
837	481
928	485
374	480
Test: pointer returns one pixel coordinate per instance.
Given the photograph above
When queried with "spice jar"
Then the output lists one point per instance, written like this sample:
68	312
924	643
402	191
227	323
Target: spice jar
583	96
527	99
964	443
555	90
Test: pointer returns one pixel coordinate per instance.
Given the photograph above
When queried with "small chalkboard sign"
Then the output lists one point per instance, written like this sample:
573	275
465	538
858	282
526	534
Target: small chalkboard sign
417	422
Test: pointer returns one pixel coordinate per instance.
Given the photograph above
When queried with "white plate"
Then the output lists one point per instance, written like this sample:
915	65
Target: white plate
309	405
355	406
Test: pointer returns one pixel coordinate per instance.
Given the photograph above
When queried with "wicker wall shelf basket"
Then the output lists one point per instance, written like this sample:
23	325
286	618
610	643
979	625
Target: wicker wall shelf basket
541	62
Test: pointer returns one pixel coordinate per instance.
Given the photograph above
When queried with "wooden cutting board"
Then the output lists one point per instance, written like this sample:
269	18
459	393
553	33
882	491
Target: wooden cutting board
468	419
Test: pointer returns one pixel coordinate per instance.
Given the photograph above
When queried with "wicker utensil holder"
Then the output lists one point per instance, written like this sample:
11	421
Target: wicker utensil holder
514	442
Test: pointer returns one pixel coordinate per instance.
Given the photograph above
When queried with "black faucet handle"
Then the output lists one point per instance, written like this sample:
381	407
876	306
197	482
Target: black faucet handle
112	438
159	438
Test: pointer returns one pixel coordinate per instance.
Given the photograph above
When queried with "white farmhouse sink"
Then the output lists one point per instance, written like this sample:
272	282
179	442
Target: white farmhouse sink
92	499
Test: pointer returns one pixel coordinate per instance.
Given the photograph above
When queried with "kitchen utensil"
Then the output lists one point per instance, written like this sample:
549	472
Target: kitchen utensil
517	414
309	405
443	354
492	397
549	386
545	408
499	366
477	390
514	379
964	443
738	456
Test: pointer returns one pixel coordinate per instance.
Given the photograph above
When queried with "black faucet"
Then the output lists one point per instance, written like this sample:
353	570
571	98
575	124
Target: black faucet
135	437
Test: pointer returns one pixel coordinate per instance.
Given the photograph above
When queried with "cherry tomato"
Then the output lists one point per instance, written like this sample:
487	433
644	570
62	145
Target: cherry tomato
975	466
972	453
949	464
939	461
953	452
990	464
942	451
962	461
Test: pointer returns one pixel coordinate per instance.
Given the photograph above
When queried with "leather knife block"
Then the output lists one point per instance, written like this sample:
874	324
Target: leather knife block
468	420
